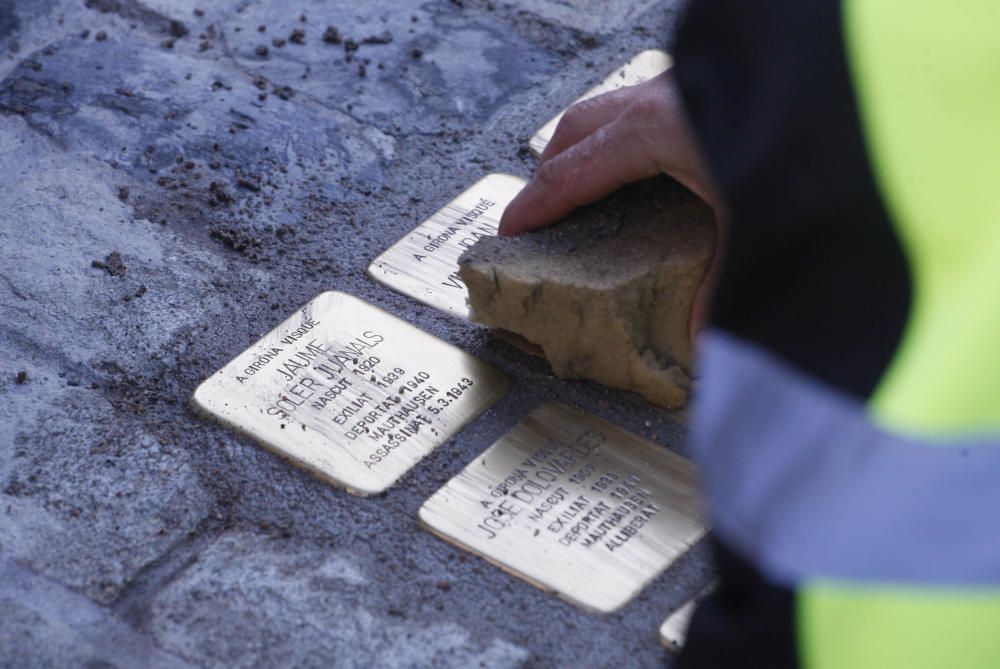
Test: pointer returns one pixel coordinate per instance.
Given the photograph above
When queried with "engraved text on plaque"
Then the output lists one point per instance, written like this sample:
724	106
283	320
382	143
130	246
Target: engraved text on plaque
573	504
350	392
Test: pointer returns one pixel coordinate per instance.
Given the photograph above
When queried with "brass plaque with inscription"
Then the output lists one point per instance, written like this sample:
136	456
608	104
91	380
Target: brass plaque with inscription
573	504
424	263
642	66
673	631
350	392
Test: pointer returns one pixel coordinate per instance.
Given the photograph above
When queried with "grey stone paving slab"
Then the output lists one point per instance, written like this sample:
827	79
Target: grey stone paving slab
42	624
26	27
217	142
591	16
403	67
89	496
252	600
166	199
62	212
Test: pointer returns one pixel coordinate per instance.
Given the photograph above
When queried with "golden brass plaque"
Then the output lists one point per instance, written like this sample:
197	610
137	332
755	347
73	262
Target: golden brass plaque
573	504
642	66
424	263
350	392
673	631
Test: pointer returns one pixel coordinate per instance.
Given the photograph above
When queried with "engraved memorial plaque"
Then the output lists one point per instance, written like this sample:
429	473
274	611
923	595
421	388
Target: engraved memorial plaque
424	263
673	631
350	392
573	504
642	66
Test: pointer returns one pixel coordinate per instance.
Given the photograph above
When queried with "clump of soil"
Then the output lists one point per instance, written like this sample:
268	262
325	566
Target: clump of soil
112	264
178	29
219	194
384	37
235	238
332	35
250	182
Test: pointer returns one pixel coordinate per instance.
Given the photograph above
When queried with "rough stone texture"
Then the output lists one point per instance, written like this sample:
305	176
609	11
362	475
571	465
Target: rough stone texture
465	76
592	16
80	509
77	461
252	600
45	625
168	195
607	293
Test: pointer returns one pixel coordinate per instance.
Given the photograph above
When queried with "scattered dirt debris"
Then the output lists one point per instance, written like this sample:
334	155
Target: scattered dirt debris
249	181
298	36
332	35
101	36
233	237
178	29
112	264
123	193
219	194
384	37
21	378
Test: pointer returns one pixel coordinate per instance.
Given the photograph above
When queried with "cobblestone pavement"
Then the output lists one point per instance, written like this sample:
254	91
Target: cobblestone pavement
177	177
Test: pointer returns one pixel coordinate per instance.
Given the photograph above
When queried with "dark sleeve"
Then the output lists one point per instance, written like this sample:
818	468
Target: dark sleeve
813	270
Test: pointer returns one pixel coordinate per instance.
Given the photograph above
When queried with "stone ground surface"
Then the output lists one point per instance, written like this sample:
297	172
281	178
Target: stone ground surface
218	186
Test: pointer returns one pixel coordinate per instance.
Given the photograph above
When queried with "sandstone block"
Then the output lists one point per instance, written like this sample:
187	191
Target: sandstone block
607	293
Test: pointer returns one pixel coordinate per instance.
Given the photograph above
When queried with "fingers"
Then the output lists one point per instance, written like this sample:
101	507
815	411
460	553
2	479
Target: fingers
605	143
613	155
584	118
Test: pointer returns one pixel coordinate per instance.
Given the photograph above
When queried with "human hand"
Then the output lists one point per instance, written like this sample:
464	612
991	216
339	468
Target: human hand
605	142
608	141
